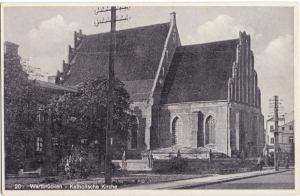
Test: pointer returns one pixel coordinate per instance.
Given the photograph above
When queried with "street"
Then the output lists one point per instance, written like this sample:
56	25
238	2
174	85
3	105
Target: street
284	180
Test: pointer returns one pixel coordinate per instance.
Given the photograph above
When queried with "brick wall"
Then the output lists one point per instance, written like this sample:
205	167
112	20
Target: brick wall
188	113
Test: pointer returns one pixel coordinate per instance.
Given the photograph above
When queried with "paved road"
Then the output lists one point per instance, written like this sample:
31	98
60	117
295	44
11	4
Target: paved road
284	180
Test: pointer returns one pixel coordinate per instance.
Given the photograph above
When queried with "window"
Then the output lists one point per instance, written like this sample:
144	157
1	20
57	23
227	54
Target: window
291	139
272	140
210	130
54	141
282	128
272	128
39	144
134	133
83	141
291	127
176	130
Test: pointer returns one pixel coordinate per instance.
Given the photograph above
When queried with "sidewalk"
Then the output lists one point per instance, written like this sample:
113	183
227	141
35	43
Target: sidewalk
186	184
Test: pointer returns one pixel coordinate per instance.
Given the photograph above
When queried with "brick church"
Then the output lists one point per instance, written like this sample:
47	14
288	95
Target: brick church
195	98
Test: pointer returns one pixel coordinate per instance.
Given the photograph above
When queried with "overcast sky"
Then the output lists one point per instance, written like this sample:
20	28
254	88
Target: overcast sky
44	34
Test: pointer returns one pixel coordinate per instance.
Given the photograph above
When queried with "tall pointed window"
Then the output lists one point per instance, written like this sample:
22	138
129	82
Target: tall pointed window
200	135
134	133
176	130
210	130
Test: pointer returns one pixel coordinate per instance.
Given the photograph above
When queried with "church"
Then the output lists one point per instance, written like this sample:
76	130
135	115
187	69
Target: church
194	98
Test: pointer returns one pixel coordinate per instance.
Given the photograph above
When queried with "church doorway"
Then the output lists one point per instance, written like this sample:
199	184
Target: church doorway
176	130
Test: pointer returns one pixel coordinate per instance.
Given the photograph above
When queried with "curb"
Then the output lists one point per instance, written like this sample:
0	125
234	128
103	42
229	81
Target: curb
219	181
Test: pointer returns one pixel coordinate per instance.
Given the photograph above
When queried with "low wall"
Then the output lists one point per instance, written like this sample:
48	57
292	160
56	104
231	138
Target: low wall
192	165
183	155
133	165
137	165
217	165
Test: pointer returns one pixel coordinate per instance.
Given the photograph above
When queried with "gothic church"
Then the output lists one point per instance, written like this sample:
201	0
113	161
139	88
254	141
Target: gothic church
195	98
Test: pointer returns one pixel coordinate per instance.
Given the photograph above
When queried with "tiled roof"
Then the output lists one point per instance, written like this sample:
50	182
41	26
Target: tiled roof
139	89
52	86
138	53
200	72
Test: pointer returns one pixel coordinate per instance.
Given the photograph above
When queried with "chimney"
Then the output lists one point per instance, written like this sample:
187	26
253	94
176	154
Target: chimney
173	18
11	48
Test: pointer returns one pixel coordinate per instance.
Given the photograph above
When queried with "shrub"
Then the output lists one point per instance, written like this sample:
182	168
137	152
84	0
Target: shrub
178	164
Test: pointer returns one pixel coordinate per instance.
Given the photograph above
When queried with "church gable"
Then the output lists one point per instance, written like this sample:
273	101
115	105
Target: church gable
200	72
138	53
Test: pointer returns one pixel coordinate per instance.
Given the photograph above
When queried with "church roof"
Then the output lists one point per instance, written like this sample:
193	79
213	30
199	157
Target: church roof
139	89
138	53
200	72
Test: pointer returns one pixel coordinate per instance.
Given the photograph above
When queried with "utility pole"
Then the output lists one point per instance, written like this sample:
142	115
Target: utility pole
274	103
111	78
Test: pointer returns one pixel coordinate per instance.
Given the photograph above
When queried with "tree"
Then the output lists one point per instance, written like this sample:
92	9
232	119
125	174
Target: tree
83	116
21	97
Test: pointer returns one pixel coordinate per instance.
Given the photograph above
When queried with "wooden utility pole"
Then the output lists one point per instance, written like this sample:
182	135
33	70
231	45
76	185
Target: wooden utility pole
111	78
276	133
275	104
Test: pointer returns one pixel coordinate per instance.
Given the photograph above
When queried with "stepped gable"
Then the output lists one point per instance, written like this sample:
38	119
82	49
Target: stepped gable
200	72
138	53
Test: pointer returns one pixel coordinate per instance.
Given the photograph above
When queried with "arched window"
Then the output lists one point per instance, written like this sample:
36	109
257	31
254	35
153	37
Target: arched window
134	133
210	130
176	130
200	135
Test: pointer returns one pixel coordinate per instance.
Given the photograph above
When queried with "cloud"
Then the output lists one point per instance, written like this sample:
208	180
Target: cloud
275	67
47	45
222	28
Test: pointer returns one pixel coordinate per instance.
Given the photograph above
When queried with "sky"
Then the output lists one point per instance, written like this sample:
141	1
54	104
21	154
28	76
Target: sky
44	34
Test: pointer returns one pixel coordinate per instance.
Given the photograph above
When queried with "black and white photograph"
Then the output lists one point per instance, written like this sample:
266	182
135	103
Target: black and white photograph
155	96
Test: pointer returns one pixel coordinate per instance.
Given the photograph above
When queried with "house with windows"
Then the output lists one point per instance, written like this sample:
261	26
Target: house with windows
269	134
192	98
285	137
41	144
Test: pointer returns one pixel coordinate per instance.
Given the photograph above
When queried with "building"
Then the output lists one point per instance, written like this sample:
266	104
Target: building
42	131
196	97
269	135
285	137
